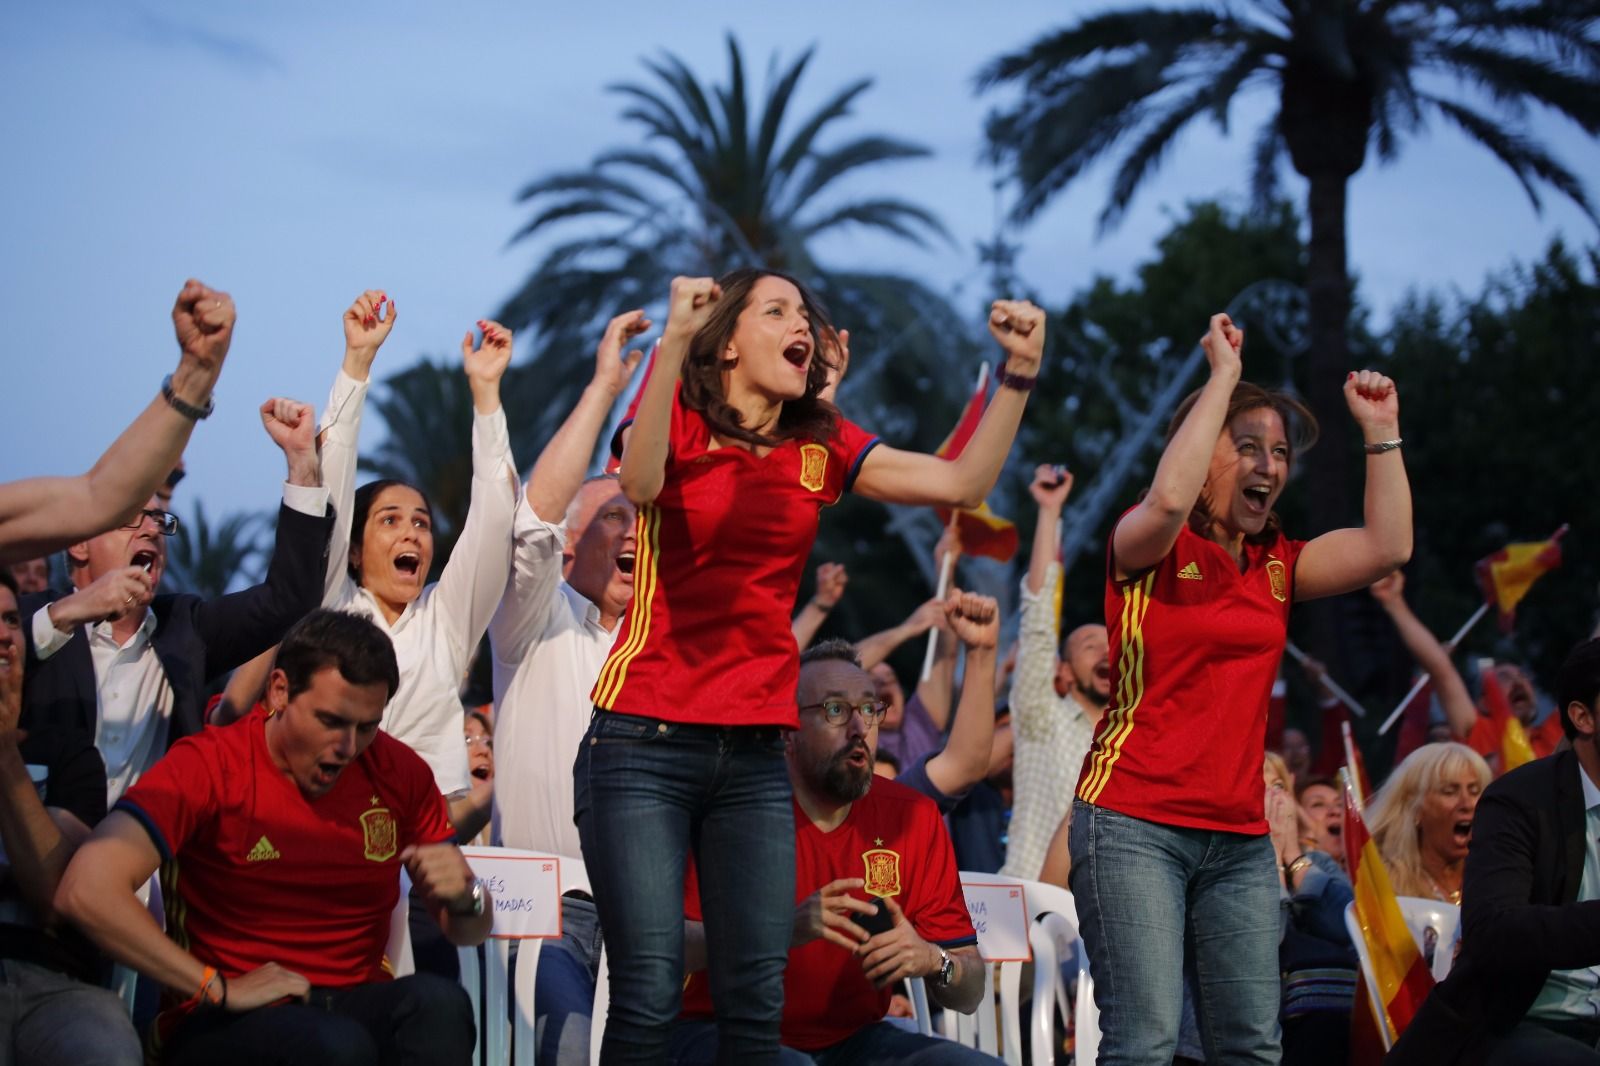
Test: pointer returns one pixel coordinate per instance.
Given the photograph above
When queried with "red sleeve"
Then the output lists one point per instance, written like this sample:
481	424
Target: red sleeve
1547	735
1289	551
937	908
427	813
1485	736
849	447
178	795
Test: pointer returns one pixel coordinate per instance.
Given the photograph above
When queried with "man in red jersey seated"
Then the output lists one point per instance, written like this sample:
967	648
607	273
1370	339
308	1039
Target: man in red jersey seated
281	839
861	842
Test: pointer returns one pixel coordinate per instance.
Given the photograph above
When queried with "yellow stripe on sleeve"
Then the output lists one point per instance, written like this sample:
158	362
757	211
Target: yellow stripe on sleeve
1118	726
615	671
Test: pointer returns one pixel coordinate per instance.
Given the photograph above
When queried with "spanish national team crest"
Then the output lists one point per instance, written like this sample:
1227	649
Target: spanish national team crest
378	831
1278	578
813	466
883	871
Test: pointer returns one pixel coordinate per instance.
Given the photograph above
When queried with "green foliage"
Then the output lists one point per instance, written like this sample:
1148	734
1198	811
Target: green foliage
1497	391
210	559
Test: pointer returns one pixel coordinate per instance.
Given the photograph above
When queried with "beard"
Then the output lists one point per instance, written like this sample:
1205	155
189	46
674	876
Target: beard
842	782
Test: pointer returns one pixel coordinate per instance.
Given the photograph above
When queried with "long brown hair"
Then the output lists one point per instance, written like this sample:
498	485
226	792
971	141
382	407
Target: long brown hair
1298	422
809	417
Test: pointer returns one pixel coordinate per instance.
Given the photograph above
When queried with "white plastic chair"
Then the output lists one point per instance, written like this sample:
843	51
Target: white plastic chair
1420	915
491	1004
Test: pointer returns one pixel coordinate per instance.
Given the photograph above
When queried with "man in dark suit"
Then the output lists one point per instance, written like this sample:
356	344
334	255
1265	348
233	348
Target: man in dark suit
1526	987
131	667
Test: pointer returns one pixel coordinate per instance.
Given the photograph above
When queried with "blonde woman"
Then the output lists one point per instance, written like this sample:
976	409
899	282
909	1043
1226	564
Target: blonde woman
1421	819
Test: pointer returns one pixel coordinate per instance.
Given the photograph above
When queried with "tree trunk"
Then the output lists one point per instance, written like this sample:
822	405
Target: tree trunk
1327	362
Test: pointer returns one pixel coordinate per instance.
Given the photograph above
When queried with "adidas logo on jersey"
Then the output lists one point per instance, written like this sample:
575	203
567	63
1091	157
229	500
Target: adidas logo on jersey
262	852
1191	572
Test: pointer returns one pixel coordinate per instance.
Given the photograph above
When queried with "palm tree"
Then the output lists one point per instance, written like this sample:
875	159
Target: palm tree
209	559
1348	74
720	182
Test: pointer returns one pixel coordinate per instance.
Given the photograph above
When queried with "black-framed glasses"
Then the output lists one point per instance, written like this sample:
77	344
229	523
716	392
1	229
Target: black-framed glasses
838	712
166	521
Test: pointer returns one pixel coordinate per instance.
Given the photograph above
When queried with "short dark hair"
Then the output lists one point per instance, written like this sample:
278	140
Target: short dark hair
9	580
887	757
834	649
1579	682
1311	781
358	649
483	720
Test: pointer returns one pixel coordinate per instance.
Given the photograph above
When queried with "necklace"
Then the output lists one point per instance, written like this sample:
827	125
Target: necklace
1441	894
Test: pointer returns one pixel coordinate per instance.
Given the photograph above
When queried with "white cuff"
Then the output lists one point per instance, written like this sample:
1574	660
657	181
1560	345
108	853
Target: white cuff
47	639
307	499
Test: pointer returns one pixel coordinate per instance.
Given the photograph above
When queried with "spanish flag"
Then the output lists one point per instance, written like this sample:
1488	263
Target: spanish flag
1515	748
982	531
1507	575
1398	969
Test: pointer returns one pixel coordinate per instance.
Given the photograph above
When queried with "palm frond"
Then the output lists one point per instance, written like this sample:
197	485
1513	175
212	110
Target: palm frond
802	143
1152	28
1513	80
1264	159
1523	157
893	216
777	106
827	167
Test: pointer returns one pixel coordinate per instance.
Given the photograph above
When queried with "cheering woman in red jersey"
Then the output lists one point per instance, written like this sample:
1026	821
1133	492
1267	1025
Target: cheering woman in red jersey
731	457
1169	841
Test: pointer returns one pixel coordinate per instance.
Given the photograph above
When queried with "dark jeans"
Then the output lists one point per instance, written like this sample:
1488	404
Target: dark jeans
695	1044
647	793
49	1019
1548	1043
416	1020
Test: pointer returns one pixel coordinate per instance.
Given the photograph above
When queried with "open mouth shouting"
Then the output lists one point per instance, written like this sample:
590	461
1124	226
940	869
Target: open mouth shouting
1257	498
1461	832
408	565
625	561
144	558
798	355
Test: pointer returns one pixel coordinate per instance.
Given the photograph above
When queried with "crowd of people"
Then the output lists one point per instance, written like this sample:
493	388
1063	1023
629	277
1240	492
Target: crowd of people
227	796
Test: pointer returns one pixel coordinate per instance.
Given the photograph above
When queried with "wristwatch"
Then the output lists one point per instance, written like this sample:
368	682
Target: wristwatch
947	968
474	908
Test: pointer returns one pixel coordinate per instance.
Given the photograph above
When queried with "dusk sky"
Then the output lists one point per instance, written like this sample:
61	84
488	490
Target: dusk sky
296	153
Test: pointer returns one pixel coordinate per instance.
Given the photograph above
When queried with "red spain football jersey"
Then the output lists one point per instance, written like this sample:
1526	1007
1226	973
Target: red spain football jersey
254	872
1195	646
721	551
894	839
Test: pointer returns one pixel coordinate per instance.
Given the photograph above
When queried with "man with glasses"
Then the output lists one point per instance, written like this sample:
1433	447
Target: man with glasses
131	667
870	854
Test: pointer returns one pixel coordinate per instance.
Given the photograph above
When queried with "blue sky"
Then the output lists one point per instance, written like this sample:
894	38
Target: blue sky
295	153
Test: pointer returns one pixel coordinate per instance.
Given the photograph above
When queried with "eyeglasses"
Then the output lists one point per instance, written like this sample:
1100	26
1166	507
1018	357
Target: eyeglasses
166	521
837	712
481	742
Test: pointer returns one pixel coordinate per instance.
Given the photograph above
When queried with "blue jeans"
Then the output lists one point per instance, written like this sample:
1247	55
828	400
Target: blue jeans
695	1044
647	793
50	1019
1147	894
563	987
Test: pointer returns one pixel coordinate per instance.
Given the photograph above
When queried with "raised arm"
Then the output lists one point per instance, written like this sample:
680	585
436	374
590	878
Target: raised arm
565	461
366	327
1432	656
879	646
1348	559
644	457
896	476
42	515
1033	682
475	577
1147	533
1051	486
964	761
831	581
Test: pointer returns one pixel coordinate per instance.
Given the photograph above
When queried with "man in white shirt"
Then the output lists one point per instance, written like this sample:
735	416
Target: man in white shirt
571	581
1056	703
131	667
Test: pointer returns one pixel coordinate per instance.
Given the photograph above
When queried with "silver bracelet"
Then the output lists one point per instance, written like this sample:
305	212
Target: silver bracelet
1383	446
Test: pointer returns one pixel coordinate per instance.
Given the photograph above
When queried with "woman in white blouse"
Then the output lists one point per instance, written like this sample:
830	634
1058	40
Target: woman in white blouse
382	549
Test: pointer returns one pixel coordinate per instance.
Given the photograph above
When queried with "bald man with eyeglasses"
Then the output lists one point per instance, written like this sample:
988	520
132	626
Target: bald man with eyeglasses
131	667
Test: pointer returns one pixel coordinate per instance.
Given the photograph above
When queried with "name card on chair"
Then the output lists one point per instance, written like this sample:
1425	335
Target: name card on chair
525	889
999	912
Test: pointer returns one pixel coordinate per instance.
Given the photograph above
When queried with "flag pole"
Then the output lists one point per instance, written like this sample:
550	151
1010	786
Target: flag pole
943	588
1483	609
1333	686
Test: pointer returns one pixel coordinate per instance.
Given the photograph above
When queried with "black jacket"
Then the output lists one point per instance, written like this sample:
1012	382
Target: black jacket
1520	917
196	640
